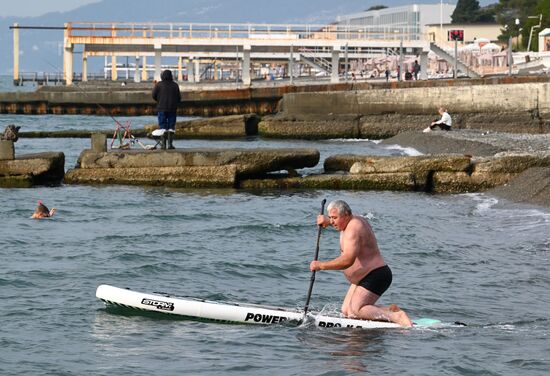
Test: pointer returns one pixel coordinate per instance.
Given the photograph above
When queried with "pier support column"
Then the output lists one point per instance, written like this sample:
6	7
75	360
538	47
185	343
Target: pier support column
158	59
136	70
191	70
180	68
16	53
424	65
334	77
144	74
197	70
68	63
246	66
216	75
67	56
84	67
291	65
114	73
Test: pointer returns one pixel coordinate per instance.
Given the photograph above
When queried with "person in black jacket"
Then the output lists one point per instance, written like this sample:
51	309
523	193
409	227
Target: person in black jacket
167	95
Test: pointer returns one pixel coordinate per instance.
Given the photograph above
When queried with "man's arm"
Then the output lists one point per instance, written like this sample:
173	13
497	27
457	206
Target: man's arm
345	260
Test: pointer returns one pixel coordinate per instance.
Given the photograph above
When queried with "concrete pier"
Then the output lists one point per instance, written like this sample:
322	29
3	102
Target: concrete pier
437	174
192	168
32	169
7	151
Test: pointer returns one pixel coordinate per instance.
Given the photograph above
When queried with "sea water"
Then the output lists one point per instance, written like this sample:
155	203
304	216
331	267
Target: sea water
467	257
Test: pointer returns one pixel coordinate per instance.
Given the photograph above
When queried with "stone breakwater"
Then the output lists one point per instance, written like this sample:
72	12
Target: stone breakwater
192	168
28	170
435	173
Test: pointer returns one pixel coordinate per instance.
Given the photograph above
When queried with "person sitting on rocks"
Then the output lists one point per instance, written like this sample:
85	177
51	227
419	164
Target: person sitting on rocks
42	211
444	123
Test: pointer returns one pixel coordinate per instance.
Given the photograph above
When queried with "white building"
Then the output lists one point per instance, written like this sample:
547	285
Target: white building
544	40
409	21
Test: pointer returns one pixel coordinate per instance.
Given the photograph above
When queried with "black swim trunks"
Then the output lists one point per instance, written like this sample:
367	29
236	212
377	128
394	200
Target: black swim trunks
378	280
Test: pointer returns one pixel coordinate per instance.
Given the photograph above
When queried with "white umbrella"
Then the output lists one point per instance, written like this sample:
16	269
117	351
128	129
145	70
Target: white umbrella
491	47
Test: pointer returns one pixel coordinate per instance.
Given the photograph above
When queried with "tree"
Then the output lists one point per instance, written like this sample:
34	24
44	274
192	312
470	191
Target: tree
487	14
510	10
376	7
466	11
542	8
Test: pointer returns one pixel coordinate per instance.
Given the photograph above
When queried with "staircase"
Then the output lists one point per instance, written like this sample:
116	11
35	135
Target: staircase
451	60
308	56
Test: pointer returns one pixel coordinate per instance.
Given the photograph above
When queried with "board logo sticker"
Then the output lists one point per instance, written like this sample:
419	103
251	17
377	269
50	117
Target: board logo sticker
163	306
266	319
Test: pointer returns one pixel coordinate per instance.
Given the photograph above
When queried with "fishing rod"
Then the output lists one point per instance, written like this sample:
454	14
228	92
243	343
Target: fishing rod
108	112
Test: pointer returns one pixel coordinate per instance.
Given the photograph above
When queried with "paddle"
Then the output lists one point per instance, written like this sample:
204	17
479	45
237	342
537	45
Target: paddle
316	257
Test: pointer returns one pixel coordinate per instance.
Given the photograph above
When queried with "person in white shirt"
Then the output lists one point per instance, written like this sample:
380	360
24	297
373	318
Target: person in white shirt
444	123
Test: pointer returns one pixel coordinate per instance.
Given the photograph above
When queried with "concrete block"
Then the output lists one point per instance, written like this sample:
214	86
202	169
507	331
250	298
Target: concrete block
99	142
7	151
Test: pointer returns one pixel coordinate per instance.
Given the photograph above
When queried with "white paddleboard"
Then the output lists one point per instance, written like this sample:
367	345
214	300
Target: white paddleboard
230	312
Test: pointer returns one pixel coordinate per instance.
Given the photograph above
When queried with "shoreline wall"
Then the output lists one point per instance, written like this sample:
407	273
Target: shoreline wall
207	101
374	114
522	98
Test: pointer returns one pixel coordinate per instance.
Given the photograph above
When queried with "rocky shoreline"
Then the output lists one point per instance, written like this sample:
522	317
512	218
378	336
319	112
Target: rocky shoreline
494	143
530	186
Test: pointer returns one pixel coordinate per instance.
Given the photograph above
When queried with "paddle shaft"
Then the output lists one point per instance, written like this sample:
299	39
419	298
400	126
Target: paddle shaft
316	257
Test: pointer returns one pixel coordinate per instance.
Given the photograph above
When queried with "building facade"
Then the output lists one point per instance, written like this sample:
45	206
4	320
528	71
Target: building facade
439	33
408	22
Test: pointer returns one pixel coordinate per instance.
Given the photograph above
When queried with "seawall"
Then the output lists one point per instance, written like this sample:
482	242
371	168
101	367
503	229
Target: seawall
206	101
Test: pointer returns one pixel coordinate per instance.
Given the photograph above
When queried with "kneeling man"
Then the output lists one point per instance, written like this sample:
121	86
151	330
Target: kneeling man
363	266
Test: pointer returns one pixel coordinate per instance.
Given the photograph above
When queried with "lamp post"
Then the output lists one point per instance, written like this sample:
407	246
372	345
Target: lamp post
441	20
509	51
517	39
533	28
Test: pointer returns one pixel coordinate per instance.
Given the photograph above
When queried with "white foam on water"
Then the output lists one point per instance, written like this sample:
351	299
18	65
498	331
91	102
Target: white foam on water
331	310
524	218
484	202
408	151
369	216
354	140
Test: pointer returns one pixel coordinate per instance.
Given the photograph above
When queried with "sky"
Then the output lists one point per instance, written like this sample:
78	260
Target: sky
33	8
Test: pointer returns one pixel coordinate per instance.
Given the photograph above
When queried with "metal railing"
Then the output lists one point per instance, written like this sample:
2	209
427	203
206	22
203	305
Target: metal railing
241	31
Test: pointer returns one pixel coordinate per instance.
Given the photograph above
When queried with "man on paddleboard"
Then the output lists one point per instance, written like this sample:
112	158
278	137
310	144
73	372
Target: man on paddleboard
363	266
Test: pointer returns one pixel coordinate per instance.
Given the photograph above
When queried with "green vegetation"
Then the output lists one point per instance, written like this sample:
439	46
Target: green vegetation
376	7
505	13
528	13
468	11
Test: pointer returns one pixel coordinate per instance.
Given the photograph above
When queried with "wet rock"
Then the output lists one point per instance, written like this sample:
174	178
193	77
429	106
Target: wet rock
512	163
390	181
184	176
40	168
438	142
248	161
460	182
216	127
531	186
308	128
417	164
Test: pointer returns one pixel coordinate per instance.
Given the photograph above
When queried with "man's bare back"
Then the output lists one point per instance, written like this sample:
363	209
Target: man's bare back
358	233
